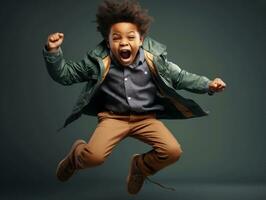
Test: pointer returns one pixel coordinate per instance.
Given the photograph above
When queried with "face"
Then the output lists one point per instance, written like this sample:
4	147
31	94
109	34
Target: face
124	40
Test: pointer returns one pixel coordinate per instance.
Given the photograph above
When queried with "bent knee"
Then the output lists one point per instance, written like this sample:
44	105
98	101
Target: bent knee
89	158
174	152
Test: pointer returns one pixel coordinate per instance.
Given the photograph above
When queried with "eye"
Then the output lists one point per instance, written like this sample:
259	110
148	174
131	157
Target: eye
115	38
131	37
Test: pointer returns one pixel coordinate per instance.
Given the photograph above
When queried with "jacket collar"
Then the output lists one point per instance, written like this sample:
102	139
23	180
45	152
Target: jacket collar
153	46
101	50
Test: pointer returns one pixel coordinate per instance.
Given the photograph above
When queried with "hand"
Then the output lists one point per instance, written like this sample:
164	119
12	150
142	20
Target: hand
217	85
54	41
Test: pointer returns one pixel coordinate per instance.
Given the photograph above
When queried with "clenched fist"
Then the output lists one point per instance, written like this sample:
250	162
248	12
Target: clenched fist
217	85
54	41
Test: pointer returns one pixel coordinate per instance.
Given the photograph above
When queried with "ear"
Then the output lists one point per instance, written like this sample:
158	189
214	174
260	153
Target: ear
141	40
107	43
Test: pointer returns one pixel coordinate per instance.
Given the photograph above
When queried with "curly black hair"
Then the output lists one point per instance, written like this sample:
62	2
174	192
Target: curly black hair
114	11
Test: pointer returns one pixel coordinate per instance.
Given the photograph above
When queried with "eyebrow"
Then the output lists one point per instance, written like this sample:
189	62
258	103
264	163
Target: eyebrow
118	33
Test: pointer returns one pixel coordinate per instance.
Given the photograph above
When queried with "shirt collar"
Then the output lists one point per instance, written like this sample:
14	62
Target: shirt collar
141	56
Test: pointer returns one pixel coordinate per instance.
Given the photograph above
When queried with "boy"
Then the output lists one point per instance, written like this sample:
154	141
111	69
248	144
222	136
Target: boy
130	86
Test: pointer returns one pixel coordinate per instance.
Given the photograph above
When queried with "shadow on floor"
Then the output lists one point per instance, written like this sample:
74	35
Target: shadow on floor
116	191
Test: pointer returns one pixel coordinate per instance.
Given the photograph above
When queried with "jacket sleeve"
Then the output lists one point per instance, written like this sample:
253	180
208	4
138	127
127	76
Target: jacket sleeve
182	79
67	72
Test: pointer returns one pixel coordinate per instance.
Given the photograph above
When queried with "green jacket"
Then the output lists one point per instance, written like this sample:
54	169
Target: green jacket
168	78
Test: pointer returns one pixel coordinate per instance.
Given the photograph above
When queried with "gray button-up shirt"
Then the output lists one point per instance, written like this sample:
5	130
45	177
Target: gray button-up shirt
129	89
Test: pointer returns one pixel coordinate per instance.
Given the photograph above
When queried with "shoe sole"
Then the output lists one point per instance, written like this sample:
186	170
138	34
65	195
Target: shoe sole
78	142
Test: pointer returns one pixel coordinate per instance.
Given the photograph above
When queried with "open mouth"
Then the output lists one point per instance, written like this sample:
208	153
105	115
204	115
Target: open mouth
125	54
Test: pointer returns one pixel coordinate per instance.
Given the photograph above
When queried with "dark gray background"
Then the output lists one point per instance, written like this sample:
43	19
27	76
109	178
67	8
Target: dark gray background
213	38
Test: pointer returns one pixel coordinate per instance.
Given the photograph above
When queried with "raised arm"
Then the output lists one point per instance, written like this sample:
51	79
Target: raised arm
66	72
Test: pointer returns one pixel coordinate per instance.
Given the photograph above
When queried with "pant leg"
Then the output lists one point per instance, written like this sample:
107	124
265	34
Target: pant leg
166	150
107	134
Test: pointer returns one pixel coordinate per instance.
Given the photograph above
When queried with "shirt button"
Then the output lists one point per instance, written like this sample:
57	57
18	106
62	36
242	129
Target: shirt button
125	79
129	98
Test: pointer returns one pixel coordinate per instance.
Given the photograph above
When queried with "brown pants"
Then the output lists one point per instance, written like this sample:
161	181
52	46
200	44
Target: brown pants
112	128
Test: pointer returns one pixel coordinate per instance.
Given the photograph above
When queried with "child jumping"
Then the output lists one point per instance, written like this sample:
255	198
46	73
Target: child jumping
130	86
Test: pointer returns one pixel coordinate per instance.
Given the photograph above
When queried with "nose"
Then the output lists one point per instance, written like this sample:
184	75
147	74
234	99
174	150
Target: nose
123	42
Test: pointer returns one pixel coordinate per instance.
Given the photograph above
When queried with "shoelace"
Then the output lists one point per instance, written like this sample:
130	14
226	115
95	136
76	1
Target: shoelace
156	183
160	185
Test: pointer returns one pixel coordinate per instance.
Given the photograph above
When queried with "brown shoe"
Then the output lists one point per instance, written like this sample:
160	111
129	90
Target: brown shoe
65	168
135	177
